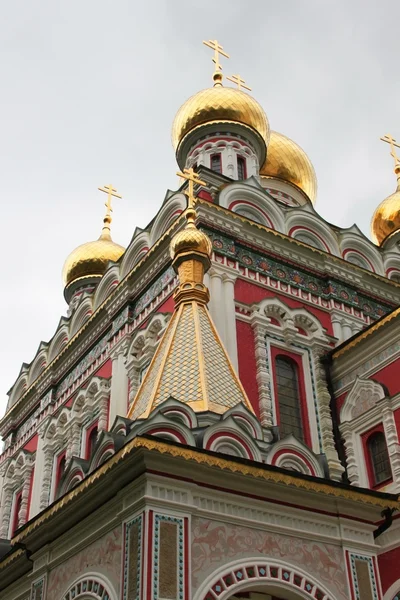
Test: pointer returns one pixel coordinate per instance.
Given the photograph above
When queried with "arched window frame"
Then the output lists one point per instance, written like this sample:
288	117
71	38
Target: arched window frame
90	438
366	440
59	470
297	360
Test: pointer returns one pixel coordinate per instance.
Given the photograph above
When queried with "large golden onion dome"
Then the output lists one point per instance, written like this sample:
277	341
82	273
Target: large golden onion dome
287	161
90	260
386	218
219	105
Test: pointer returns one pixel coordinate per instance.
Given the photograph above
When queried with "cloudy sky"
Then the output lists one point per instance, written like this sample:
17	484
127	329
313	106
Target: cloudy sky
89	90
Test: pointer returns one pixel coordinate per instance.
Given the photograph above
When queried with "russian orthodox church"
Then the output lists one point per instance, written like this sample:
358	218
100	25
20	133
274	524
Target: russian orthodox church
218	416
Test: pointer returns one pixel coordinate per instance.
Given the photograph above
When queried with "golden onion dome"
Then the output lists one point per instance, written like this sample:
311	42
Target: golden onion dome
287	161
91	259
190	239
386	218
219	105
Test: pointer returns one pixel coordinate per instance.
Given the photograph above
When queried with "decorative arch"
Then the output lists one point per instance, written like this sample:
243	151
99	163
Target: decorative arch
254	197
38	366
364	394
273	576
305	220
393	593
250	211
59	341
161	425
81	315
391	261
91	585
18	389
134	253
172	208
354	241
108	282
289	453
227	437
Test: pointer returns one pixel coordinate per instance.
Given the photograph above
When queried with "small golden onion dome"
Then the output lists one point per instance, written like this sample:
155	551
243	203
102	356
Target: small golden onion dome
287	161
91	259
386	218
218	105
190	239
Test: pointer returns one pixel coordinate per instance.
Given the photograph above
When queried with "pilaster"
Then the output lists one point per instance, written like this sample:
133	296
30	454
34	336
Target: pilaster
259	324
324	412
6	512
119	383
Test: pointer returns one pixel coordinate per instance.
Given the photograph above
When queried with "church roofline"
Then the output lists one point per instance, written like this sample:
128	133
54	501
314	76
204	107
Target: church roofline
235	465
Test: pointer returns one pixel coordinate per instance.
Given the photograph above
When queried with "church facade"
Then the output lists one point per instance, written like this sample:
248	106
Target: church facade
218	416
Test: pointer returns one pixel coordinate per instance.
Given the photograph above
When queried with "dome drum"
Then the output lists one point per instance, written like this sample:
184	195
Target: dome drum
87	264
235	130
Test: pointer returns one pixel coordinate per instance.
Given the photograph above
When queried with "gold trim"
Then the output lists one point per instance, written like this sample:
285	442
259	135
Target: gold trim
9	559
149	407
211	461
199	345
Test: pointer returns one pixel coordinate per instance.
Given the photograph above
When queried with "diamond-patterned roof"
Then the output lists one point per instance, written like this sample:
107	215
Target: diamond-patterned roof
191	365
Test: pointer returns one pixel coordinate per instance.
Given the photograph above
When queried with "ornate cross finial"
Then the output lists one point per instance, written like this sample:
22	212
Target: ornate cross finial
191	176
239	82
216	46
390	140
110	191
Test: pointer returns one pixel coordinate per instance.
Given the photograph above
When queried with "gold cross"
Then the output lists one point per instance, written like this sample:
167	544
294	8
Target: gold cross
389	140
191	176
214	45
239	82
110	191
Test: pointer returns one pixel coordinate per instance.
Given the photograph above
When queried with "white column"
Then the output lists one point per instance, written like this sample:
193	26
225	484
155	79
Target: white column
324	412
216	305
229	162
259	324
35	507
23	513
47	473
119	385
6	509
337	329
347	332
229	313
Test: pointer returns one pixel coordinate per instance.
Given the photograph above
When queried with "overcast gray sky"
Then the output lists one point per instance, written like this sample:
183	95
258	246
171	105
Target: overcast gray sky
89	92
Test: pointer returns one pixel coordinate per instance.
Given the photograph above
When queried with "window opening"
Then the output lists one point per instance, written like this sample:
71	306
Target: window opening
287	379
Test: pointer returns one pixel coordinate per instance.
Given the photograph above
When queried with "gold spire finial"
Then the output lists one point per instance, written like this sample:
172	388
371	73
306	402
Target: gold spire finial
239	82
191	251
110	191
218	49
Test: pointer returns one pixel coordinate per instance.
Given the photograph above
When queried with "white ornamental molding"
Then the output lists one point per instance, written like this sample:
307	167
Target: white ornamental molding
364	394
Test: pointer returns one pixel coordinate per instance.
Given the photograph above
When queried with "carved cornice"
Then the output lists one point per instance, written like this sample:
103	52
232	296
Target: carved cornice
201	458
